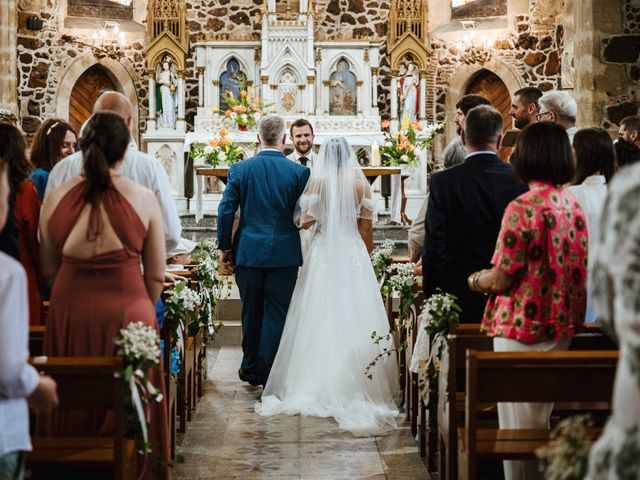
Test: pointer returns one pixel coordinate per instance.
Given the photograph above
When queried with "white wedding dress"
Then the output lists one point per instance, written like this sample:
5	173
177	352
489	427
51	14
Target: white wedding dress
326	344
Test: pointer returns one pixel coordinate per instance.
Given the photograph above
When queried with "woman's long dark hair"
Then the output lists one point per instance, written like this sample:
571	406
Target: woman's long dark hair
104	142
594	154
45	150
13	148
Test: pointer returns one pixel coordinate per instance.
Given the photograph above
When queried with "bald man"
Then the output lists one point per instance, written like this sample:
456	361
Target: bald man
137	166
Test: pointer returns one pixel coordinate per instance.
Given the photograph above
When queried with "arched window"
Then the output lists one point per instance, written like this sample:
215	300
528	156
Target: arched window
233	79
343	92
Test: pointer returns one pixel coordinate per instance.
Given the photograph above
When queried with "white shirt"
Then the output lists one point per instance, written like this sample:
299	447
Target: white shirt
295	157
571	132
18	379
139	168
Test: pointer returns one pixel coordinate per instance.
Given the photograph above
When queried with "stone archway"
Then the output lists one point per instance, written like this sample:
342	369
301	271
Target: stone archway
123	77
462	78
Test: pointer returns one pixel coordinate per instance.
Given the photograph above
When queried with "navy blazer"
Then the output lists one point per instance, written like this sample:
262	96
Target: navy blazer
463	219
266	188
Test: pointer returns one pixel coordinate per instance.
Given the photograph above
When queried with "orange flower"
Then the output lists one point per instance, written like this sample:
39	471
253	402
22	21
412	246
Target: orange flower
415	124
236	108
214	143
223	132
403	138
223	142
253	106
243	93
228	113
243	108
403	146
385	124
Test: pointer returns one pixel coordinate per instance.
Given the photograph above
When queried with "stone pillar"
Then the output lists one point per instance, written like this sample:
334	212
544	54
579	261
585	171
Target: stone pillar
311	95
216	94
200	86
8	56
180	122
595	78
422	112
359	89
394	96
374	87
264	91
324	98
151	121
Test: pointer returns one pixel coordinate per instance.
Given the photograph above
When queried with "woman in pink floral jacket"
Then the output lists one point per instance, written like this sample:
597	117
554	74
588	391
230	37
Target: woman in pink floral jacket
538	282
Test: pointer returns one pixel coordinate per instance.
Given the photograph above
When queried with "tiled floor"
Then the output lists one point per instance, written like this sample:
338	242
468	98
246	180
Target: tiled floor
227	439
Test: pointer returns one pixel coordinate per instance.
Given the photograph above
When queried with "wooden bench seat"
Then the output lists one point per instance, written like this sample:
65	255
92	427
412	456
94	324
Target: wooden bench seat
80	452
559	376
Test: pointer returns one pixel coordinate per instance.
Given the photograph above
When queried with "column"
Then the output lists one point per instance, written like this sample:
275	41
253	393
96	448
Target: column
394	96
374	87
311	94
8	56
324	97
180	122
200	86
215	92
264	93
423	96
151	120
359	89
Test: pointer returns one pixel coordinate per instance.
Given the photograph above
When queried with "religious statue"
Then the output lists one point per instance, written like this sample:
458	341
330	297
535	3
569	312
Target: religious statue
232	81
408	86
166	93
342	90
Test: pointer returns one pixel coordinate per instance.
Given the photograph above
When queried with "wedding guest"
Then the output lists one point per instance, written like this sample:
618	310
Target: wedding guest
595	165
54	140
559	107
137	166
466	203
181	255
301	133
26	212
538	279
525	106
628	143
97	230
615	292
453	155
19	381
463	106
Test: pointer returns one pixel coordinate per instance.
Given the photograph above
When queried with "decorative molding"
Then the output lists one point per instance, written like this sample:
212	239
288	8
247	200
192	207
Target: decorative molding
216	83
326	83
264	79
318	55
311	79
348	124
200	70
359	83
366	54
374	70
473	55
257	55
301	87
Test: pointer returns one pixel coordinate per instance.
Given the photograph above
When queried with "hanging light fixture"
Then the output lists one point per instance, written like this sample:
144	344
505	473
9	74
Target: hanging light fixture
109	41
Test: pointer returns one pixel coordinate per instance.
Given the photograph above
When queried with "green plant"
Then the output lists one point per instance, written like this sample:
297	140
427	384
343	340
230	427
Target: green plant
220	150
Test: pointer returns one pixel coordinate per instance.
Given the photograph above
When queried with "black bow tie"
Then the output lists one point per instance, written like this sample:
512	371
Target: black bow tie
303	160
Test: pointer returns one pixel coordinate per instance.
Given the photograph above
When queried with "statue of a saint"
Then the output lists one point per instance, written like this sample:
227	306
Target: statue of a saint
408	87
166	93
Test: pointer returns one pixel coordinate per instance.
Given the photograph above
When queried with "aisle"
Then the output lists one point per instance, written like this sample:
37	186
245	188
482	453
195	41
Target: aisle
227	439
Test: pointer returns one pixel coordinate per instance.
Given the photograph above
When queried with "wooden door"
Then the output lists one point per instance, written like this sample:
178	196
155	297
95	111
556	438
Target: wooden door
490	86
85	93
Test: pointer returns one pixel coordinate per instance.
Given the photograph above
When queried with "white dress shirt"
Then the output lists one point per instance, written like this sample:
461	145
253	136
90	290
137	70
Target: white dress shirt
295	156
139	168
18	379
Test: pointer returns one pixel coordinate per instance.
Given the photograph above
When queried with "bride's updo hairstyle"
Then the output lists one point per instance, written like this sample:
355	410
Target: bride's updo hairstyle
104	142
338	150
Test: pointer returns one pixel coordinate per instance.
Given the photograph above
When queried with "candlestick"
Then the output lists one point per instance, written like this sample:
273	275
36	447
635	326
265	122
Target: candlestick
375	155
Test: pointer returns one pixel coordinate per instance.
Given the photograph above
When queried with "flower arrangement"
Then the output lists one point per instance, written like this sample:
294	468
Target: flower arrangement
220	150
566	457
139	347
181	309
381	260
213	286
246	110
400	147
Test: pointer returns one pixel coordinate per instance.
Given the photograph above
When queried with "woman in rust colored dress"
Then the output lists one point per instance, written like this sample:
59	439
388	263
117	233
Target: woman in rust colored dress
25	208
95	231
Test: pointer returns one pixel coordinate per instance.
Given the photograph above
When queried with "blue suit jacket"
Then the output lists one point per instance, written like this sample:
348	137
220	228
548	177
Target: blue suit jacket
266	188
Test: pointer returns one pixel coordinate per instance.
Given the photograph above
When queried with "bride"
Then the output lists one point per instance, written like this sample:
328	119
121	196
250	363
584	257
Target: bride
326	344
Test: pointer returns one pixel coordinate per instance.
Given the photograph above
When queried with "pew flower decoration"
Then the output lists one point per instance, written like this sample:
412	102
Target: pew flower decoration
139	347
221	150
213	286
381	260
399	148
181	310
566	457
439	313
245	111
401	281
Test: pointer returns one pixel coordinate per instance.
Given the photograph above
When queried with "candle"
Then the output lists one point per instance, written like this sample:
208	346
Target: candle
375	155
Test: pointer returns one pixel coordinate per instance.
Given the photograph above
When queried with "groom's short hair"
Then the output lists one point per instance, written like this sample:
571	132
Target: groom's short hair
271	130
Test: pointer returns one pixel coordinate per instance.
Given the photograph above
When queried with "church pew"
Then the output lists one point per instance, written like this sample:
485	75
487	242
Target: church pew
85	382
36	340
559	376
171	386
465	337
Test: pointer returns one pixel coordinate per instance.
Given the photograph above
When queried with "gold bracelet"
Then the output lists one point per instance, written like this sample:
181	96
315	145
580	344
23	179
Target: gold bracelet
476	277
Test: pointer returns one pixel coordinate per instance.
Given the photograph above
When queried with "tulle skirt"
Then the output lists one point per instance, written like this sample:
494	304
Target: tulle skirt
327	344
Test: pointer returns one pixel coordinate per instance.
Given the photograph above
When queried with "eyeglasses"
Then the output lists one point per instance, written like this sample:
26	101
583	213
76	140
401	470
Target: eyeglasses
540	116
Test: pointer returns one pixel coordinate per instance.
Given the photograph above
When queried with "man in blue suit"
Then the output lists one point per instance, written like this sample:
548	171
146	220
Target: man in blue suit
266	246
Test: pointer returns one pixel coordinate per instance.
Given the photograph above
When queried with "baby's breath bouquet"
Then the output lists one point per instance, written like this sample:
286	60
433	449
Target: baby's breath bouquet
566	457
381	260
213	286
139	347
181	309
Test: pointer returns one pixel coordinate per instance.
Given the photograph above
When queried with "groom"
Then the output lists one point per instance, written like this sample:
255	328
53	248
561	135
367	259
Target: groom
266	246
